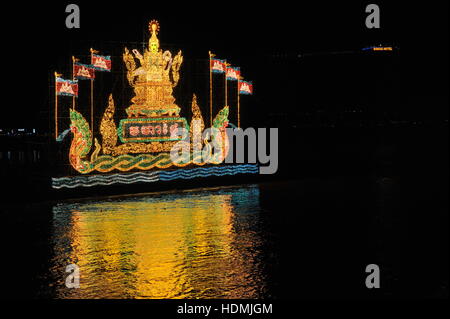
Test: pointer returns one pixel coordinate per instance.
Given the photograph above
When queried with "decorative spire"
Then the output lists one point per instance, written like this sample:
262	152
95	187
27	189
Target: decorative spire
153	27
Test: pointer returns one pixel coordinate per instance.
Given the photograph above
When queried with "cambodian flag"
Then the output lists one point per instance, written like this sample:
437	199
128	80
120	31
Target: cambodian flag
83	71
218	66
101	63
233	73
245	87
66	87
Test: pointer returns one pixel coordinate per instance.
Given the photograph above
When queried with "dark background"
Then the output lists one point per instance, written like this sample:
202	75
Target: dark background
363	136
304	59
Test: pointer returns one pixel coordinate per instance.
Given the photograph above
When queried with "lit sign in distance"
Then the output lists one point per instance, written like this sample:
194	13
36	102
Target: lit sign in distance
378	49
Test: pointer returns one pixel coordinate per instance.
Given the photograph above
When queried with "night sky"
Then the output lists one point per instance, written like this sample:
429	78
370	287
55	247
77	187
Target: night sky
300	58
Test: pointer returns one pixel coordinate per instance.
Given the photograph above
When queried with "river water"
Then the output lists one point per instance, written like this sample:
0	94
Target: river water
299	239
196	244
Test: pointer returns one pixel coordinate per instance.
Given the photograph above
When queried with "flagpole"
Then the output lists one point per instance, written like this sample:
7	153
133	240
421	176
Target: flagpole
73	79
92	100
226	88
238	104
210	90
56	107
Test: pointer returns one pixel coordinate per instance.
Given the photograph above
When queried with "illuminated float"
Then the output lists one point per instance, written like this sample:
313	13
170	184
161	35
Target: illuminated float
141	143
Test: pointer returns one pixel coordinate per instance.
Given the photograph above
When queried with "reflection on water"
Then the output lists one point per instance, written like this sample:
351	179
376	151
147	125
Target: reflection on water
197	244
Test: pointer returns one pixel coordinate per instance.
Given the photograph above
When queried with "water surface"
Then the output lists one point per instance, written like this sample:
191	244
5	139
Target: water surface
196	244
